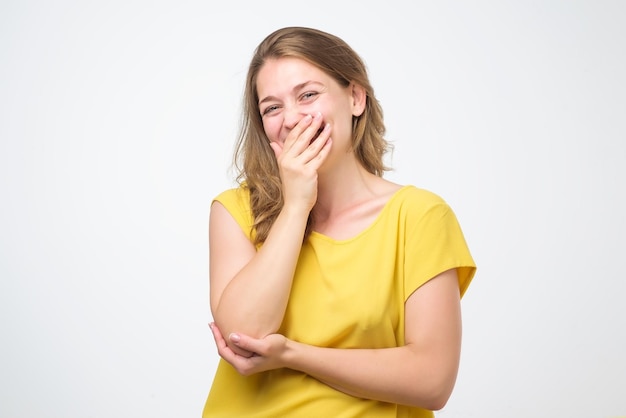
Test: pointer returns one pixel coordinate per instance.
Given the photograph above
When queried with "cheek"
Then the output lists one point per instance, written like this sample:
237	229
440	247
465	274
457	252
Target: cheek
343	129
272	129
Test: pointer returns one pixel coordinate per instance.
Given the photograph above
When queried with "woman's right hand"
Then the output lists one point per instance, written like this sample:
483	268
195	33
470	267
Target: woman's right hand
299	158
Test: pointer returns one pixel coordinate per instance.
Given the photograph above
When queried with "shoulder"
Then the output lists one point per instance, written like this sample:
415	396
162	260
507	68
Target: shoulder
237	198
237	203
417	200
237	194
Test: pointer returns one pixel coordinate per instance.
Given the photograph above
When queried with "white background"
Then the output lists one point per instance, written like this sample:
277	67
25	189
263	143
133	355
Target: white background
117	124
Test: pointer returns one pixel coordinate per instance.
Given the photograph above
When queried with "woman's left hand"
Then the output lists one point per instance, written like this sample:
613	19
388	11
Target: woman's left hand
267	352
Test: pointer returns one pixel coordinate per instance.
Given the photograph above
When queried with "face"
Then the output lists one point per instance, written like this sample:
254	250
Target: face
291	88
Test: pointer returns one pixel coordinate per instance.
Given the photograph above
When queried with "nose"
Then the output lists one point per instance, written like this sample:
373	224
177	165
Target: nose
292	116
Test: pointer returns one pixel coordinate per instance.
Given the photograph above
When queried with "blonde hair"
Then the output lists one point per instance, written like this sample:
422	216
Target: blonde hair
254	160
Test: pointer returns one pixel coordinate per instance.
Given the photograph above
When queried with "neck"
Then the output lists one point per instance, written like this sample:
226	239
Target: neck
342	188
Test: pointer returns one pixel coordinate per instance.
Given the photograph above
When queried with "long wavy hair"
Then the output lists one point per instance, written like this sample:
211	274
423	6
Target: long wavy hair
254	160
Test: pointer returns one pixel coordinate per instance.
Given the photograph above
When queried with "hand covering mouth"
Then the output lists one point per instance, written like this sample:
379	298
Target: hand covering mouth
317	134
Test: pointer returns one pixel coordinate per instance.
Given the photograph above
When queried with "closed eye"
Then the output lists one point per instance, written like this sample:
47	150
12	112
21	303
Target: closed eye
269	110
308	95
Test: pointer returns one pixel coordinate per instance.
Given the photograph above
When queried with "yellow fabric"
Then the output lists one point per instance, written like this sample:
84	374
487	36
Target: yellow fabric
347	294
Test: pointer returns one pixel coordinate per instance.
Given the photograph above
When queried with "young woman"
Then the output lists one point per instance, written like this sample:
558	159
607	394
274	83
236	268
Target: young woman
334	291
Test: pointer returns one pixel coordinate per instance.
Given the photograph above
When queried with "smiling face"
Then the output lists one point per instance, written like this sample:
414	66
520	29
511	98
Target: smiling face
290	88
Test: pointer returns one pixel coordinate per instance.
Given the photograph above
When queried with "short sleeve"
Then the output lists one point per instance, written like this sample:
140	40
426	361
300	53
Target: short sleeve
435	243
237	203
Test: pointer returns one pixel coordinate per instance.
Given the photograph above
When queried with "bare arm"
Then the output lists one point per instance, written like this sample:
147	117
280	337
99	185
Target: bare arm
420	373
249	289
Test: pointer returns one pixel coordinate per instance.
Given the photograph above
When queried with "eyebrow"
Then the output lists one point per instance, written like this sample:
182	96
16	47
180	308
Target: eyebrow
295	88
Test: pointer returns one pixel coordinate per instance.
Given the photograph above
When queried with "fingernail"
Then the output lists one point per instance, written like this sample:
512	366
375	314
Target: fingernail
318	115
234	337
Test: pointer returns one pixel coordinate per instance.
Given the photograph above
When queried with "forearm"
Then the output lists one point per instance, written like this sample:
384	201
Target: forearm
404	375
422	372
254	301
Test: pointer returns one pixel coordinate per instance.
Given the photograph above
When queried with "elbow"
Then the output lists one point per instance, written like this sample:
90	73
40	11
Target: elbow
251	329
436	394
434	401
443	388
437	403
225	331
241	323
437	381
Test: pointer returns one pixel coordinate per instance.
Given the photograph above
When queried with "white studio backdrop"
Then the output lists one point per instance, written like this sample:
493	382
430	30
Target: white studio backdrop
117	124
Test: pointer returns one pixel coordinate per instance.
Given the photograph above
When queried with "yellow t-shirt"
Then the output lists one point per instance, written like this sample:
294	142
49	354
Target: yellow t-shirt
347	294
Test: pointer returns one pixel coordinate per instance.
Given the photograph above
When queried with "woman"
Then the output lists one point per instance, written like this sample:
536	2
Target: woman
334	291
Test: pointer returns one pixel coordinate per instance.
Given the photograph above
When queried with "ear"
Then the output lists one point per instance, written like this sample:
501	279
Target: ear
359	98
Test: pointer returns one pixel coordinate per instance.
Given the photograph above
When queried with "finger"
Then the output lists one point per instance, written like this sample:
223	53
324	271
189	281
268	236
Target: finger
217	336
247	343
277	148
309	134
298	145
224	349
297	131
313	150
242	364
319	159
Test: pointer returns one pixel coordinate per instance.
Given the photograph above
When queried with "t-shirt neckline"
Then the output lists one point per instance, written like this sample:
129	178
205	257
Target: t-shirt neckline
319	236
